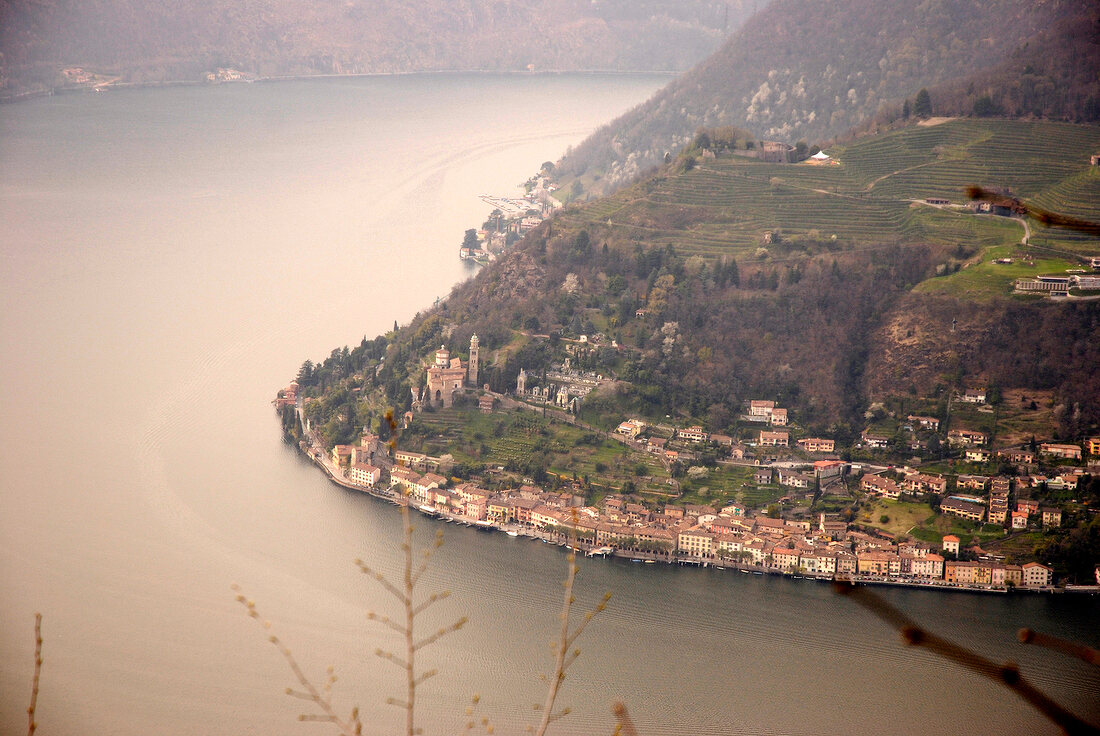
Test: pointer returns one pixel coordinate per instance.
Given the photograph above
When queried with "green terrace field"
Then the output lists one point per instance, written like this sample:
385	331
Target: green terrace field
875	194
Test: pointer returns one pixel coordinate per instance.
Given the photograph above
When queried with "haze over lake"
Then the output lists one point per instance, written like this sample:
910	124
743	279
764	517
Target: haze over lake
168	258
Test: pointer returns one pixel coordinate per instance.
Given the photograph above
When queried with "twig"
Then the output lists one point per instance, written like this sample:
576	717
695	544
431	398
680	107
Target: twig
471	715
625	726
563	656
321	698
1007	674
1073	649
404	593
31	723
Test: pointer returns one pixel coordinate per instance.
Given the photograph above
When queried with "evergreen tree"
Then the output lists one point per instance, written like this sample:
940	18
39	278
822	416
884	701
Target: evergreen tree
922	106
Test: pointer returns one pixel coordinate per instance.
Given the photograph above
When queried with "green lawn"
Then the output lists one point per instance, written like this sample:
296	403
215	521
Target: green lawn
986	280
903	515
518	436
934	529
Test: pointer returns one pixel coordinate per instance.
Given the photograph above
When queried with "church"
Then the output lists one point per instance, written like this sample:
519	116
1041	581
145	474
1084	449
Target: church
448	376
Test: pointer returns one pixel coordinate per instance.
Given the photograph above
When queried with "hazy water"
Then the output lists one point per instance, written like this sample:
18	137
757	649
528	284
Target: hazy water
169	257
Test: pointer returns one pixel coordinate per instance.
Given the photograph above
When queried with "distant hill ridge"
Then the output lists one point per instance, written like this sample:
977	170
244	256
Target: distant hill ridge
160	41
813	71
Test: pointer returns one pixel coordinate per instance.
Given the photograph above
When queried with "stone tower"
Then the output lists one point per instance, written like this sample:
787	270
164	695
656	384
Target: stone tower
521	383
472	371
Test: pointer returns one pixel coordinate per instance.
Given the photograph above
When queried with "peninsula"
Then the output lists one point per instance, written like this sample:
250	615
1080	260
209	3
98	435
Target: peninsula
805	474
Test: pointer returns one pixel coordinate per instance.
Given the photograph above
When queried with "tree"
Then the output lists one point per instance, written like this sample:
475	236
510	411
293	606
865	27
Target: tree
469	240
905	110
702	139
985	107
922	106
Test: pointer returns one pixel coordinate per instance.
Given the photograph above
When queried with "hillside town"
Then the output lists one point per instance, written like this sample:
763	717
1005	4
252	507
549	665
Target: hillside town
730	535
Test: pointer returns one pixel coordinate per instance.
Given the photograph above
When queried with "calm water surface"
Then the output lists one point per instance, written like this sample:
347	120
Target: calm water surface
167	260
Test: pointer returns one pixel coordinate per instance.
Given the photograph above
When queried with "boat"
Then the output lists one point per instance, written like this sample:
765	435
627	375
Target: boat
512	533
757	572
744	572
635	560
650	562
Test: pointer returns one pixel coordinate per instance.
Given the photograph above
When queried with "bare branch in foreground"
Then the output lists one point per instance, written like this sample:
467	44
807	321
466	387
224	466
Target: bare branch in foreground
1071	648
31	723
321	698
565	654
1007	674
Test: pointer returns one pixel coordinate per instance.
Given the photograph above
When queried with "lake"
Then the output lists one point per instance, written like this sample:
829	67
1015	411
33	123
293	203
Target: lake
169	258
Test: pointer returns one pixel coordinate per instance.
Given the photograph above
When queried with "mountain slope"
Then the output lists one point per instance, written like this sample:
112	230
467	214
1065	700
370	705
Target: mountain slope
811	71
864	291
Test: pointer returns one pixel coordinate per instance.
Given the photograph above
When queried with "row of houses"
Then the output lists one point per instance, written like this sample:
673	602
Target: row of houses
912	482
992	507
827	548
706	533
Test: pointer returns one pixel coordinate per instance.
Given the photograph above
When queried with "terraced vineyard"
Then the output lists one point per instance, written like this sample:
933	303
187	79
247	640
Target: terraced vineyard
874	193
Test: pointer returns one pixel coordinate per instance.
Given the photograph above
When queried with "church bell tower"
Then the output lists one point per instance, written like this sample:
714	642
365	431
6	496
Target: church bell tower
472	375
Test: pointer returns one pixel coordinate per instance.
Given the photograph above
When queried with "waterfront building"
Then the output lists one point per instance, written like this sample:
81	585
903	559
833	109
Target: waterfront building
1036	575
696	541
363	474
341	455
877	562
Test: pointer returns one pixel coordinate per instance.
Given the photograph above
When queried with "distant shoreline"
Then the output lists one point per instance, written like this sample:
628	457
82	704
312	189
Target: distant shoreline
82	89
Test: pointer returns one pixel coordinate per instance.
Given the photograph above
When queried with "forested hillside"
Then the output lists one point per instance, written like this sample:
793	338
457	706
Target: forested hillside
1055	75
150	42
826	288
811	71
